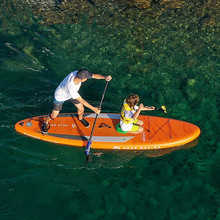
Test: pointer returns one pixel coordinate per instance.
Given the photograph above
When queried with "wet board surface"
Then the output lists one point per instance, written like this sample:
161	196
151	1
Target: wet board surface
159	133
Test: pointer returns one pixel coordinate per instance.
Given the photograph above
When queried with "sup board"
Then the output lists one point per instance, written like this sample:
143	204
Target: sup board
159	132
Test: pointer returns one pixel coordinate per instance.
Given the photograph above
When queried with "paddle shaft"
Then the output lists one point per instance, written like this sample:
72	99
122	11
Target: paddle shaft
100	105
87	151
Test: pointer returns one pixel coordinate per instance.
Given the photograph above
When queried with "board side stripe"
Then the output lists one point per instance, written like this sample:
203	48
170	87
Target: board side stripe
95	138
92	115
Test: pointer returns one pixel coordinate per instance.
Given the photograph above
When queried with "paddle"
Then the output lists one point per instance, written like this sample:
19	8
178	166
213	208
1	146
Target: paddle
89	143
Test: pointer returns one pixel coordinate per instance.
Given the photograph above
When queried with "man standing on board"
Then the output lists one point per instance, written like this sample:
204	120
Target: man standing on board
68	90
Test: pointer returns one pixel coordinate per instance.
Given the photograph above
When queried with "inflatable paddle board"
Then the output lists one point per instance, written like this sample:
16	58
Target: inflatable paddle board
159	133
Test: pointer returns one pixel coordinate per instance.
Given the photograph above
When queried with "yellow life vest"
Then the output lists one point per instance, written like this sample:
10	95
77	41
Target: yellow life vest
124	108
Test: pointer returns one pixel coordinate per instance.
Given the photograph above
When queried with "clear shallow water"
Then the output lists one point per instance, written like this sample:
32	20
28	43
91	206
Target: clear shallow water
171	58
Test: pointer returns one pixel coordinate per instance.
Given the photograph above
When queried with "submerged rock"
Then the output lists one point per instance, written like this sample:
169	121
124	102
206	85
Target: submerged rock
173	3
142	3
207	20
116	12
191	82
42	3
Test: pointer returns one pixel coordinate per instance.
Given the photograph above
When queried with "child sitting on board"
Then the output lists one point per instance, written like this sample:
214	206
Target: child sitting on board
130	111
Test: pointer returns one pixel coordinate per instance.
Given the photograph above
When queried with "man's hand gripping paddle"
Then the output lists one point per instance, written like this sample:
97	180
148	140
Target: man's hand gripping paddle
89	143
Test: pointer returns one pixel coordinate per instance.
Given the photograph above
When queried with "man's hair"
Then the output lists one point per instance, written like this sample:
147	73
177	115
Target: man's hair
83	74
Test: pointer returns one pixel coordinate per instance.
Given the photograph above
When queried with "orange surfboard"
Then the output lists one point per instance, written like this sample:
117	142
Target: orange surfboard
159	133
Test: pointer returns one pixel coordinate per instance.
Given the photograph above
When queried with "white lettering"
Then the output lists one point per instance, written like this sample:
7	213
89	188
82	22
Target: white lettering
116	147
144	136
136	148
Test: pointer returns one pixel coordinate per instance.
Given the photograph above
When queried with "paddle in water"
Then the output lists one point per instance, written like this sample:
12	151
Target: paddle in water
89	143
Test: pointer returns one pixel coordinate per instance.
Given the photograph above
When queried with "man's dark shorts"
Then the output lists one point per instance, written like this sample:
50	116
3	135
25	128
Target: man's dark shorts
57	105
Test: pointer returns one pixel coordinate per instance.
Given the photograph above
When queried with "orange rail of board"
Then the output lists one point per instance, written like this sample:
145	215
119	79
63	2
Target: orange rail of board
159	133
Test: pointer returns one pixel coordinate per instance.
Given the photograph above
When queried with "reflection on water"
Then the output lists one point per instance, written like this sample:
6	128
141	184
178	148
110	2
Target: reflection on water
162	152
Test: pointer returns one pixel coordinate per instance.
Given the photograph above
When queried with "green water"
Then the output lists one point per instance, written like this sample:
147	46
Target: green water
167	53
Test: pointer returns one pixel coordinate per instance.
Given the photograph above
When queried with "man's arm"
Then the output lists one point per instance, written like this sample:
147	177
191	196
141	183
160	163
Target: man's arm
99	76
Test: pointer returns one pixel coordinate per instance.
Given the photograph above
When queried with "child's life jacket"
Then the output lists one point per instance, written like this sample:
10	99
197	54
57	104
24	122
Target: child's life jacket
127	113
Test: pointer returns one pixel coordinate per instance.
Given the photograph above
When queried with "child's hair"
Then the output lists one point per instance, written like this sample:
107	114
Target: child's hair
132	100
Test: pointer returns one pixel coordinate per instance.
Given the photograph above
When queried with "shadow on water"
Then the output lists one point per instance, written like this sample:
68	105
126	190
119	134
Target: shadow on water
116	159
162	152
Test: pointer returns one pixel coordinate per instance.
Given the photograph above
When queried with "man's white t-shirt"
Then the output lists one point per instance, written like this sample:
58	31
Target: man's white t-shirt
67	89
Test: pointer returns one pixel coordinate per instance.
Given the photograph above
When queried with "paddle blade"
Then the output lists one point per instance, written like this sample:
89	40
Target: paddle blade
88	146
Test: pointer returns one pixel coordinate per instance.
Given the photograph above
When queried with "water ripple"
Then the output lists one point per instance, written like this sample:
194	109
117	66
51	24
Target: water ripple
5	211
